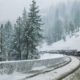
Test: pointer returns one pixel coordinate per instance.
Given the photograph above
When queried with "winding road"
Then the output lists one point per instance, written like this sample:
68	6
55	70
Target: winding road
58	73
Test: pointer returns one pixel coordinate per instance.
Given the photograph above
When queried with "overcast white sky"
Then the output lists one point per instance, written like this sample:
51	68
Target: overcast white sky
11	9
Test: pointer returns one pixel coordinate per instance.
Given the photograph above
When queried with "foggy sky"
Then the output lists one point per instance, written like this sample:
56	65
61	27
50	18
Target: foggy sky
11	9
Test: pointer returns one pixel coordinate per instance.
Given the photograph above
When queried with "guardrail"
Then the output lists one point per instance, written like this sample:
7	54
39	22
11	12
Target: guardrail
22	66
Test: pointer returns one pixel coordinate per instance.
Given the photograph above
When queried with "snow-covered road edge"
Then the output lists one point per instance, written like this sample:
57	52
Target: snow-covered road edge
51	68
59	73
69	69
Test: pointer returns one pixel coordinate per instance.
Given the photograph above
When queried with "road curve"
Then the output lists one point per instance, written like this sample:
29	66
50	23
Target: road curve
59	73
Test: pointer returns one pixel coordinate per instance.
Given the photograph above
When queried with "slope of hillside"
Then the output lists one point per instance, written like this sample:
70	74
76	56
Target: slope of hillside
70	43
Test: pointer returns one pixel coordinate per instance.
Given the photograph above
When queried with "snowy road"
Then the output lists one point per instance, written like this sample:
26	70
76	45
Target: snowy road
59	73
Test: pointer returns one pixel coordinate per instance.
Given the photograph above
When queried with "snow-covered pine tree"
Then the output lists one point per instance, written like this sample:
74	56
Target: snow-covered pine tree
34	30
71	28
24	17
16	47
57	29
24	37
1	43
75	14
8	32
25	41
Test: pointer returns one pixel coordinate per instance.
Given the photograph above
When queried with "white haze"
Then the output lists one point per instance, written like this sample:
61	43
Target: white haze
11	9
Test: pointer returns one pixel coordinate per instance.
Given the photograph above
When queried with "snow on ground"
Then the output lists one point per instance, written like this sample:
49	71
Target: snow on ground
47	56
39	68
14	76
18	76
70	43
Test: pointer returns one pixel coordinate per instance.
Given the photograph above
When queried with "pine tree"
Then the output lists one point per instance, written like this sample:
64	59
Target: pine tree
71	28
33	33
1	43
76	15
57	29
25	42
24	17
16	48
8	32
24	34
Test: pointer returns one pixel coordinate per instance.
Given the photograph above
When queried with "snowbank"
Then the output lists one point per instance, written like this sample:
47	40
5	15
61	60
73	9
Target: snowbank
14	76
70	43
48	56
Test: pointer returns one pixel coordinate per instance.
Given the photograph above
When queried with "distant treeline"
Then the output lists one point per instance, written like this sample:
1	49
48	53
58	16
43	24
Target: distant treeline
62	20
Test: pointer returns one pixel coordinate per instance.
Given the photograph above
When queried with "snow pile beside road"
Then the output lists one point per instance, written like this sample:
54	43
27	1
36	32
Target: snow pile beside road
47	56
14	76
